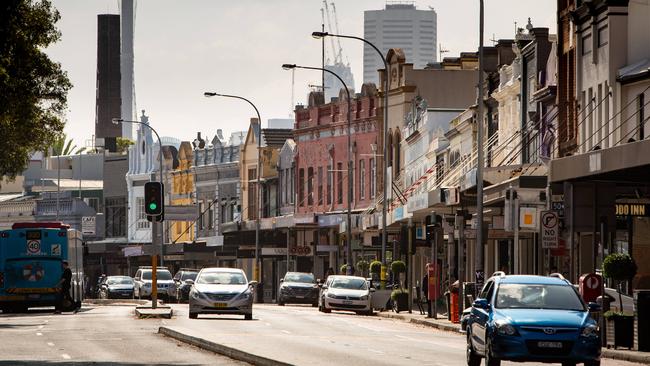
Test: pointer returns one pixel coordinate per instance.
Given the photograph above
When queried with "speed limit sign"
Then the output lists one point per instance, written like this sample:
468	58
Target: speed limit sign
33	246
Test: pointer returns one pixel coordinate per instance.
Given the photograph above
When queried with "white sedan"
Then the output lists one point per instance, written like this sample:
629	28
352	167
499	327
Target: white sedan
346	293
222	291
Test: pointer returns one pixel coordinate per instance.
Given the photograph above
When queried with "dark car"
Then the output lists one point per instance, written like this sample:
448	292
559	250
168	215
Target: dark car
531	318
298	288
183	280
116	287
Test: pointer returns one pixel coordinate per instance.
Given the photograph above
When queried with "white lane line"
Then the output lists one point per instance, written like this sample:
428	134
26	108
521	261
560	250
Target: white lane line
50	344
40	327
39	334
267	324
66	356
285	331
375	351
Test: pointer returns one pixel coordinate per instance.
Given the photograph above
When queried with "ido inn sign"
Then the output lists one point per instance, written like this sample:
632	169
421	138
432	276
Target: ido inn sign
632	209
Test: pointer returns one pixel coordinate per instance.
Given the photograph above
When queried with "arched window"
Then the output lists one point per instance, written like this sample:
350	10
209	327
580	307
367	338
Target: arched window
396	146
389	158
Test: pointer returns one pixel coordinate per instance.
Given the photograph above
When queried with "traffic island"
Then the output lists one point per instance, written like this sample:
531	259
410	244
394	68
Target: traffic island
221	349
147	311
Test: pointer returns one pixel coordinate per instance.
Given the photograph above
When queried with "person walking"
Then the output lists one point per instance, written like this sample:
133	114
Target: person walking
425	291
64	285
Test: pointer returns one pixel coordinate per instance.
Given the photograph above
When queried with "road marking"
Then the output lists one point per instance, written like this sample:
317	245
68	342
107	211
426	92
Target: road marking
50	344
267	324
375	351
285	331
39	334
66	356
40	327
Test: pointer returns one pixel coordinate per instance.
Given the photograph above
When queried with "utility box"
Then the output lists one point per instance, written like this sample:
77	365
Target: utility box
642	320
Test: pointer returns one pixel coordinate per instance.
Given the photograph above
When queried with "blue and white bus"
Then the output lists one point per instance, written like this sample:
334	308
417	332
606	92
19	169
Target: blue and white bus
31	256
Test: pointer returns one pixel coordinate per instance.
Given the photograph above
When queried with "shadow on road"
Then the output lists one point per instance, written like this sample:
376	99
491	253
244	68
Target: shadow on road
72	363
228	318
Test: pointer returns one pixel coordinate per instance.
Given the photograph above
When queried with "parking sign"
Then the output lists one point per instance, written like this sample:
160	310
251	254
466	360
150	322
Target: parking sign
550	225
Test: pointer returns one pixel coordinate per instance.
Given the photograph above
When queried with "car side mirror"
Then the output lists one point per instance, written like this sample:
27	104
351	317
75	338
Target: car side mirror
594	307
253	284
319	281
481	304
372	289
324	287
189	281
281	280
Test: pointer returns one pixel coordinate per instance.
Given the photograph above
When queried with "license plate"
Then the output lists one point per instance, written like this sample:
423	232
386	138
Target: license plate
34	296
220	305
347	302
299	297
549	344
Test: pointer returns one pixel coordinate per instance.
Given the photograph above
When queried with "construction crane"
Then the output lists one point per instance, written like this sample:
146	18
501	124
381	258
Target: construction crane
329	28
338	57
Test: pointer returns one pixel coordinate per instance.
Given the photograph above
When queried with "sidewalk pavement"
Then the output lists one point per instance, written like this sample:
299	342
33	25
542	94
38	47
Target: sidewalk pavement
443	324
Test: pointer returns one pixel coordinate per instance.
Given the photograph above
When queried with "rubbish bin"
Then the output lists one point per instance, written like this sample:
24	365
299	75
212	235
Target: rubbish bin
642	323
607	327
454	303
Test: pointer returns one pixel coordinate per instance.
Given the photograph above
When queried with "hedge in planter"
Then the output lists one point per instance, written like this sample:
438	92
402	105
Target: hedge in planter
362	267
620	267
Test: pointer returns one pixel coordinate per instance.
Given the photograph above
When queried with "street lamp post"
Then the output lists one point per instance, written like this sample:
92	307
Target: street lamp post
154	222
257	269
348	226
384	237
478	258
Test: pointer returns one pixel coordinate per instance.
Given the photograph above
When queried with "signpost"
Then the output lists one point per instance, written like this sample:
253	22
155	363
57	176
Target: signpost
550	225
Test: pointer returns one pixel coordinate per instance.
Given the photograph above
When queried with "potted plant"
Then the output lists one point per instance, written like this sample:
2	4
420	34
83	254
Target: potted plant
620	267
362	267
375	270
398	268
344	269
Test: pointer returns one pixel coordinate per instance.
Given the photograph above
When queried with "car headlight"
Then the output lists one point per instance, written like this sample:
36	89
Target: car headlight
364	297
246	295
590	330
506	329
195	295
331	296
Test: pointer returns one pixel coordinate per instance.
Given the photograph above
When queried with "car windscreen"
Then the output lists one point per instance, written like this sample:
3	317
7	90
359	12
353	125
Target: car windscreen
299	277
119	281
162	275
188	276
221	278
350	284
538	296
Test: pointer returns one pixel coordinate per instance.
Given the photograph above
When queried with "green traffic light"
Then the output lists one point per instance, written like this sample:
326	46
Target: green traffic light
153	206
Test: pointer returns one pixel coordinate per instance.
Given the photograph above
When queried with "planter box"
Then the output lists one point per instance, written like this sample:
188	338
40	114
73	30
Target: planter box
623	327
401	302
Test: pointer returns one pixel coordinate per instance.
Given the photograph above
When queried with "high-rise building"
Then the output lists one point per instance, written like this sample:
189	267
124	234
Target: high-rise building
108	96
332	85
399	25
127	11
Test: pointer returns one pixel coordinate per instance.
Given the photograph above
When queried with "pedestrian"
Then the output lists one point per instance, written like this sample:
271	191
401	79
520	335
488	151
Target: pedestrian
64	285
425	292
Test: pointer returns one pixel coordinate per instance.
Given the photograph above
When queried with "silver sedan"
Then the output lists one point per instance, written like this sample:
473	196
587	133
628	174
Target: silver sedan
222	291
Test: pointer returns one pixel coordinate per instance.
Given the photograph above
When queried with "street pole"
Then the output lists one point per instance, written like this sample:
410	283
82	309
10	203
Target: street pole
348	226
479	257
257	267
155	239
384	237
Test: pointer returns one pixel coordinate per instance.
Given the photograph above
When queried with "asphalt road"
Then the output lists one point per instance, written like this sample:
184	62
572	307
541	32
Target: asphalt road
301	335
102	335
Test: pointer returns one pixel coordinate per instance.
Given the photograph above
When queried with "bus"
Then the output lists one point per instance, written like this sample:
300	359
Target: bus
31	256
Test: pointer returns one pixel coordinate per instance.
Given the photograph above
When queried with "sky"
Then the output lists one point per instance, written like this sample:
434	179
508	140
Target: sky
184	48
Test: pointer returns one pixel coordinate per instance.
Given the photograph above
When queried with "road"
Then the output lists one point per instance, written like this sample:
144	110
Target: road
111	335
301	335
102	335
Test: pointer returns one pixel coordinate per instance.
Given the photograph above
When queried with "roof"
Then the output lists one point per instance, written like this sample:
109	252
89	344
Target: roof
637	71
222	269
531	279
68	184
276	137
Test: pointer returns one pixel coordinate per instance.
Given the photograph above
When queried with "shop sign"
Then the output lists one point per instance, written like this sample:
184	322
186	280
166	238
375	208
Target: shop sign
329	220
632	209
274	251
302	251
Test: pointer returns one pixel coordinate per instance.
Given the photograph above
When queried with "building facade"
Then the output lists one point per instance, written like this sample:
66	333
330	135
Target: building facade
109	102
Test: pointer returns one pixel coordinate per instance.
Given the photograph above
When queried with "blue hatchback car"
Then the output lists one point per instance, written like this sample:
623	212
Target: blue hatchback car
531	318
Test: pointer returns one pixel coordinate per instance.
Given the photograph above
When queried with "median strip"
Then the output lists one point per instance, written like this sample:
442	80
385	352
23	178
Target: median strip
233	353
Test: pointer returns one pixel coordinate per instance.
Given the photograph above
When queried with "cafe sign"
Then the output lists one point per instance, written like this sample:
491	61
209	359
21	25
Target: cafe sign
632	209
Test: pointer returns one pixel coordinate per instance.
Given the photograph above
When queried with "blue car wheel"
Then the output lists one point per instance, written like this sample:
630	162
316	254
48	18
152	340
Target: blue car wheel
472	358
490	360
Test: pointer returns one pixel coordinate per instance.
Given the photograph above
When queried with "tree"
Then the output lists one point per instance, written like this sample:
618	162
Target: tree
123	144
619	267
33	88
61	147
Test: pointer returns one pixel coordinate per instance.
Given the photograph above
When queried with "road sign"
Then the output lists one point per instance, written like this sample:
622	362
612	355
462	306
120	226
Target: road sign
34	247
550	225
528	218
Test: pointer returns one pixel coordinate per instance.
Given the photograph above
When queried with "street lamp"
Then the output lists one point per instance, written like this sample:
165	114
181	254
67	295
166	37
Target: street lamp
480	250
348	226
154	222
384	237
257	268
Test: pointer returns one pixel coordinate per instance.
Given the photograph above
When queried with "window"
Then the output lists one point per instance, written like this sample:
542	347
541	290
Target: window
603	36
115	217
252	194
292	191
141	217
373	178
93	202
320	185
329	184
224	213
201	217
586	44
362	179
339	183
641	103
211	218
301	187
310	186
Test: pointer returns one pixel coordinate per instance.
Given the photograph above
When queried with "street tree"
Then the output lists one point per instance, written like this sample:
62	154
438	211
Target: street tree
33	88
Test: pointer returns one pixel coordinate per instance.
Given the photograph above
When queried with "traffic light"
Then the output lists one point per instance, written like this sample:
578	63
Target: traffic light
154	202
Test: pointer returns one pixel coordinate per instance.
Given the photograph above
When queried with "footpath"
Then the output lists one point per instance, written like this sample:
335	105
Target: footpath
443	324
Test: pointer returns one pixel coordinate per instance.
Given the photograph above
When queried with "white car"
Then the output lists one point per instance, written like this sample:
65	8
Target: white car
222	291
142	282
349	293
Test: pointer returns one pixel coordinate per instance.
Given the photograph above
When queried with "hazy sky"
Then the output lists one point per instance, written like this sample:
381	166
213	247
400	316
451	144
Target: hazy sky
183	48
